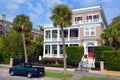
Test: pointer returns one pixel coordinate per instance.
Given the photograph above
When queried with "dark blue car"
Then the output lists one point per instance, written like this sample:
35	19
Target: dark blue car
27	70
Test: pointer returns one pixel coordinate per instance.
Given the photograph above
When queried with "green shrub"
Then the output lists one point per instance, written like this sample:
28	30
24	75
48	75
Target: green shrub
112	60
98	51
52	60
74	54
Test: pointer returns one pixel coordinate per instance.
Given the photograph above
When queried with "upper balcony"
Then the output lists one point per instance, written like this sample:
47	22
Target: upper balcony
55	35
87	21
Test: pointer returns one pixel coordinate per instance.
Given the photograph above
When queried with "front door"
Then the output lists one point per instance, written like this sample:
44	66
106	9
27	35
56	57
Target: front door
91	52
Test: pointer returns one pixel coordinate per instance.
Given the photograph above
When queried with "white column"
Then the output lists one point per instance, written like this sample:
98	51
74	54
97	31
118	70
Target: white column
51	35
44	51
50	50
44	35
58	34
58	50
68	34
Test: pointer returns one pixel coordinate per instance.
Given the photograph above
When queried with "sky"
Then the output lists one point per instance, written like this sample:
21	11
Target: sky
39	11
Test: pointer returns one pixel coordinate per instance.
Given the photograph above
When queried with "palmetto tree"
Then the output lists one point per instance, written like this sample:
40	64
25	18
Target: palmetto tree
23	24
61	16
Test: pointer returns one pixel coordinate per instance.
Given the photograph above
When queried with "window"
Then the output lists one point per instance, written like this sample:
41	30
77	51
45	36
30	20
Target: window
87	31
78	19
95	16
90	31
47	34
89	17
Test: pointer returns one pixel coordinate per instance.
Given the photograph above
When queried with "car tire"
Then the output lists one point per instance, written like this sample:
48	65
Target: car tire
12	73
29	74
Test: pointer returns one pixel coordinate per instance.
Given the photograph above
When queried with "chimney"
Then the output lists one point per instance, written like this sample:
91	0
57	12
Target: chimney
2	16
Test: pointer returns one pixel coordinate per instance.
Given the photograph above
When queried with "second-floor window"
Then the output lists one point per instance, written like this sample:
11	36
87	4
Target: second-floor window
89	31
78	19
48	34
90	17
95	16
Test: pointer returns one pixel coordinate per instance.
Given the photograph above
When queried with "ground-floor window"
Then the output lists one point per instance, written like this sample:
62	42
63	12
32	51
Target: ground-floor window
47	49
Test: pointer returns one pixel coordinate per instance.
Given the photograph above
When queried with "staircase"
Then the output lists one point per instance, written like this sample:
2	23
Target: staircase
86	63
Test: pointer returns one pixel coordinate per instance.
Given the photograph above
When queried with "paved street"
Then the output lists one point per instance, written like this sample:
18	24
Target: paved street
4	75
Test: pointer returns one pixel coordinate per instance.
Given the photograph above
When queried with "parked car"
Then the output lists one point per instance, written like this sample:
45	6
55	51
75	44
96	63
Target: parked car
27	70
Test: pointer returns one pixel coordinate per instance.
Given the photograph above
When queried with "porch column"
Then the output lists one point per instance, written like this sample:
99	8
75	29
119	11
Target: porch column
44	34
44	51
58	34
68	34
51	35
50	50
58	50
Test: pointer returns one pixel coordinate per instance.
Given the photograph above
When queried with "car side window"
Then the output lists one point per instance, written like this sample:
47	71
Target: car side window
27	65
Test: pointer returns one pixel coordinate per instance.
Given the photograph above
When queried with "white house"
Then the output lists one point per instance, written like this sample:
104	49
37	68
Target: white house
87	26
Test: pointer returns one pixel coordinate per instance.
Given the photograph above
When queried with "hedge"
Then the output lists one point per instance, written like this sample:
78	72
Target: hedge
74	54
112	60
98	51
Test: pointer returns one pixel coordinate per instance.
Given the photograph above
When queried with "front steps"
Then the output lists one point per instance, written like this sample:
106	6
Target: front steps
86	64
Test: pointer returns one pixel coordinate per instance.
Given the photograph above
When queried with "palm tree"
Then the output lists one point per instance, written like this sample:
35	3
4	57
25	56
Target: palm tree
61	16
23	24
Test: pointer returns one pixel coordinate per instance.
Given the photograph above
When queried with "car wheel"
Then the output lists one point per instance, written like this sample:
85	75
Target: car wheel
29	74
12	73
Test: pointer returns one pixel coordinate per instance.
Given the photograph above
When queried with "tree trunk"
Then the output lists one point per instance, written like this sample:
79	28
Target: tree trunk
25	53
64	50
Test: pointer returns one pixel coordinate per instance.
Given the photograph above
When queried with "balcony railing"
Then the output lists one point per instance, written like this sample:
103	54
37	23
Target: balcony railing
60	39
87	21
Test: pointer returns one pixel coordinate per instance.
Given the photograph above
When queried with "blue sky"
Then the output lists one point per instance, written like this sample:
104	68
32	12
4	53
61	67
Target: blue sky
39	11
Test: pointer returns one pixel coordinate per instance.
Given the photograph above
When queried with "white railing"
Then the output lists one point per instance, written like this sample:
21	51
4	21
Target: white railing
54	55
61	55
73	38
87	21
60	39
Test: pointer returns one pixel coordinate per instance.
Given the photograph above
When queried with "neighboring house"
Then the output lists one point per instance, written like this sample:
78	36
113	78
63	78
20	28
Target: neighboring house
36	33
4	25
88	24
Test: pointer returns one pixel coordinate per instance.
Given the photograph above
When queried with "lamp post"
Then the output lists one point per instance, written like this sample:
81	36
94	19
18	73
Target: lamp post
23	37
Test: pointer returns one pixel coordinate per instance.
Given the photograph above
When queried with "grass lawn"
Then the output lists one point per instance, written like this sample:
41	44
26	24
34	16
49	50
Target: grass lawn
93	78
58	75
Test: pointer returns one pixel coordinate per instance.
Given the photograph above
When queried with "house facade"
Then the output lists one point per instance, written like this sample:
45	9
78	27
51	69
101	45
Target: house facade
87	26
36	32
4	25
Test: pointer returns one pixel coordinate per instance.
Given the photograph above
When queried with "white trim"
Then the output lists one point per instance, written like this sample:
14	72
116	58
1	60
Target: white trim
86	8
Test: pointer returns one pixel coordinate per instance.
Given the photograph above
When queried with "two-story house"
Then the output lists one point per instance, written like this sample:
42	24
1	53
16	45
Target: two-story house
87	26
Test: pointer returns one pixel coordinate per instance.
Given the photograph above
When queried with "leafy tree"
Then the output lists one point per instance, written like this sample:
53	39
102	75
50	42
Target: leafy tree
111	35
11	46
23	24
35	49
40	39
61	16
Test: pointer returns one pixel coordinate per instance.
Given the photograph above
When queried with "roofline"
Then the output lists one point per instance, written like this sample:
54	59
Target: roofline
87	8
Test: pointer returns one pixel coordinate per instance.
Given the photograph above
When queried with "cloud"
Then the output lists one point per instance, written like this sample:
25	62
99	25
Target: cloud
12	4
